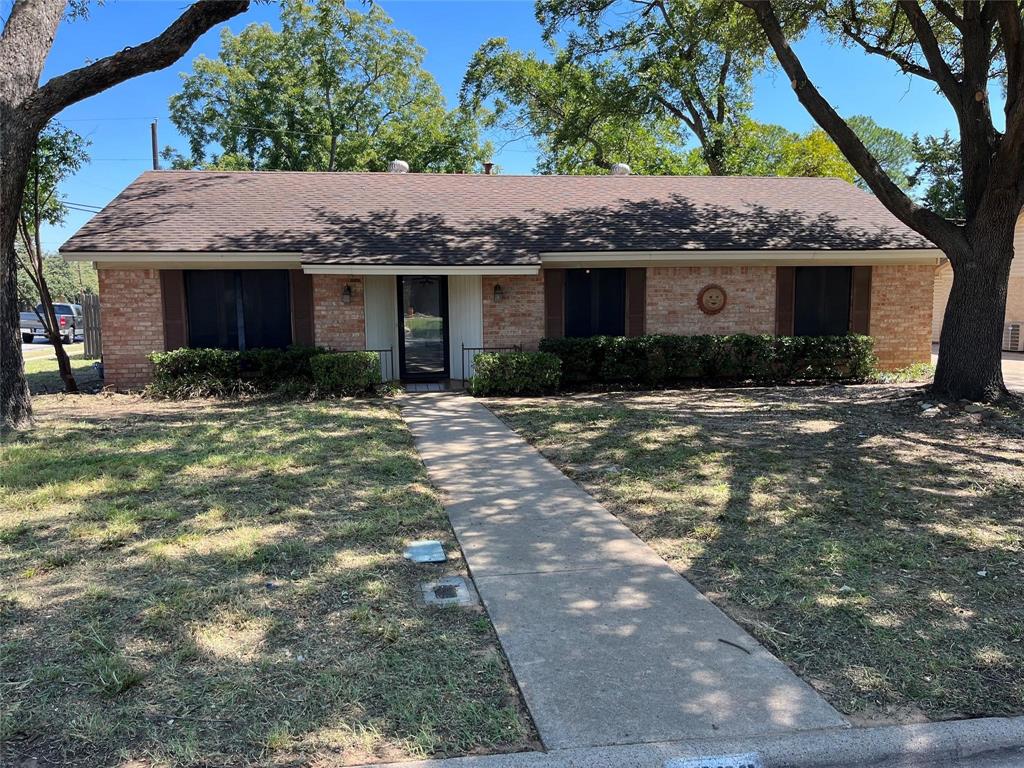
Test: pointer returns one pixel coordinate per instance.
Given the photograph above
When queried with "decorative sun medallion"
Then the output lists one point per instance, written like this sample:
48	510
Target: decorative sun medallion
711	299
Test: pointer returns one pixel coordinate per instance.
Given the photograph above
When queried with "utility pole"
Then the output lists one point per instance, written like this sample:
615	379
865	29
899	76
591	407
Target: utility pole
156	156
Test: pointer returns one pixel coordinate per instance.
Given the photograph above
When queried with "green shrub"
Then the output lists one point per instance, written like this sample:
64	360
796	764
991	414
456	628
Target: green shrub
654	361
581	358
912	374
287	371
184	373
345	373
515	373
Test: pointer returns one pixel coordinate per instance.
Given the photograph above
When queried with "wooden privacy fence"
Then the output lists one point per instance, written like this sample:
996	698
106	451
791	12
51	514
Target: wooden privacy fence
91	326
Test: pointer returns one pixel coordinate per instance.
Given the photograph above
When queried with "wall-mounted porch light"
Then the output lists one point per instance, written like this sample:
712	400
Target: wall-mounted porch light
499	292
346	295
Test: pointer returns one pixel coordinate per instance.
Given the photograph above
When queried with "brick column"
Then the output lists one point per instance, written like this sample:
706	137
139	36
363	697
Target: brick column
132	325
338	325
519	317
901	314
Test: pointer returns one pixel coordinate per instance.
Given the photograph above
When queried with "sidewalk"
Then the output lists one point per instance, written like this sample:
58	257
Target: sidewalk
608	644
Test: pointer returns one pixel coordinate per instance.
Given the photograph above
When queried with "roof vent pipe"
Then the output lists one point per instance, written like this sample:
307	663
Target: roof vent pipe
398	166
488	167
621	169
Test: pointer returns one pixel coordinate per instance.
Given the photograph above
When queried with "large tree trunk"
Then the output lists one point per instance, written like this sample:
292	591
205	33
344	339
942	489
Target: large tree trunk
17	140
970	348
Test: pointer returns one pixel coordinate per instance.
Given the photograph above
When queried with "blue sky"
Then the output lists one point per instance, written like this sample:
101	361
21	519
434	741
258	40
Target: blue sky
117	121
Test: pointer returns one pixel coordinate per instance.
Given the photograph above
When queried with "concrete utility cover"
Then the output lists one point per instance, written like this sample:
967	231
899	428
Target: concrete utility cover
748	760
450	590
425	551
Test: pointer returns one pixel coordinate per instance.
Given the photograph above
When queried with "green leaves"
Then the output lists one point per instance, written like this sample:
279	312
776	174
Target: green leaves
938	174
335	89
691	61
60	153
582	118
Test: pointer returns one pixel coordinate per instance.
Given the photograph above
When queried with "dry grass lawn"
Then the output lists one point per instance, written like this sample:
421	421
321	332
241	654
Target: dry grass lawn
223	584
878	552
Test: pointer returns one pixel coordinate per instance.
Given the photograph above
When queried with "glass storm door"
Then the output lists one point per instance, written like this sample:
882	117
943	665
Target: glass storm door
423	327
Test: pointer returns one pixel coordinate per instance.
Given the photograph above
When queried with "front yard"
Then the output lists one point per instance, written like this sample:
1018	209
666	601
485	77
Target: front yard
223	584
878	551
43	377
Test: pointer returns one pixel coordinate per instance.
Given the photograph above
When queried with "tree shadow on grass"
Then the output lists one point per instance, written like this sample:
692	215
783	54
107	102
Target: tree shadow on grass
876	552
225	585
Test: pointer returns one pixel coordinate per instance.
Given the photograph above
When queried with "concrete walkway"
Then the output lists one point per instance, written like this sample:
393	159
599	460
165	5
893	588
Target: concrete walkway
608	644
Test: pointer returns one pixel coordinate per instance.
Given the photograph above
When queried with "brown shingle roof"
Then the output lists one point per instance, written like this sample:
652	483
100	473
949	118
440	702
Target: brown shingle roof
454	219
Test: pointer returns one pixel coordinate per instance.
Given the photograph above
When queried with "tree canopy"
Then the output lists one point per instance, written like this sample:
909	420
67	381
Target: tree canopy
582	118
335	89
690	60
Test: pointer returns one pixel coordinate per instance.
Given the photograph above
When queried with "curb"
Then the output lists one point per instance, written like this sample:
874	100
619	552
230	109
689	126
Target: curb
996	741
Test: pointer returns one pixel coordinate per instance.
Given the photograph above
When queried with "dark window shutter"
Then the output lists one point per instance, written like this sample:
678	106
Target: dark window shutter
636	300
785	292
860	301
172	291
302	308
554	303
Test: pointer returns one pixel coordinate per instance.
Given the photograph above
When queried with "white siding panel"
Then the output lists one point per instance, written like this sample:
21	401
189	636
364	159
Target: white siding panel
465	317
381	309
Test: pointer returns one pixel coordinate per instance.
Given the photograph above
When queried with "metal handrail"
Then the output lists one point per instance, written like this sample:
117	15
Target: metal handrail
469	364
387	372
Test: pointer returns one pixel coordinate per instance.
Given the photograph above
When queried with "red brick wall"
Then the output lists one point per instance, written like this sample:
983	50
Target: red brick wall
901	314
672	300
519	317
337	325
132	324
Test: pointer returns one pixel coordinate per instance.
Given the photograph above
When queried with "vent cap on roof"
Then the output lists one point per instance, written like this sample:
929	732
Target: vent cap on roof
621	169
398	166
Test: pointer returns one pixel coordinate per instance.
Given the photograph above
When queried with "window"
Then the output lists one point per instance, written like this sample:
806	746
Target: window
595	302
240	309
821	305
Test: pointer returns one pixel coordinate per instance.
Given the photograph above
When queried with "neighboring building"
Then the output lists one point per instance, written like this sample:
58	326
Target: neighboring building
1013	322
428	265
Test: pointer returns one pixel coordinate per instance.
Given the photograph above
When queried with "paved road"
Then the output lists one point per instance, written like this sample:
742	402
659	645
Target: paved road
609	645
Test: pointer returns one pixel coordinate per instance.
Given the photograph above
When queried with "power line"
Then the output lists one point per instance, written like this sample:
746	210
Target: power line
100	119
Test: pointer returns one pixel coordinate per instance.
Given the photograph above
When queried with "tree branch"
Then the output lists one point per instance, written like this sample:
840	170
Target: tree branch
947	10
158	53
723	79
942	74
907	65
937	229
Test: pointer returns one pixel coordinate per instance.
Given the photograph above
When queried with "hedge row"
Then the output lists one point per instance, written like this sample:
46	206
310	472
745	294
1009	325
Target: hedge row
515	373
184	373
655	361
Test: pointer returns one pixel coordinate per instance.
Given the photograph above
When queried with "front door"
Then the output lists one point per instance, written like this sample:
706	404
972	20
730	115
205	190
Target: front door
423	327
